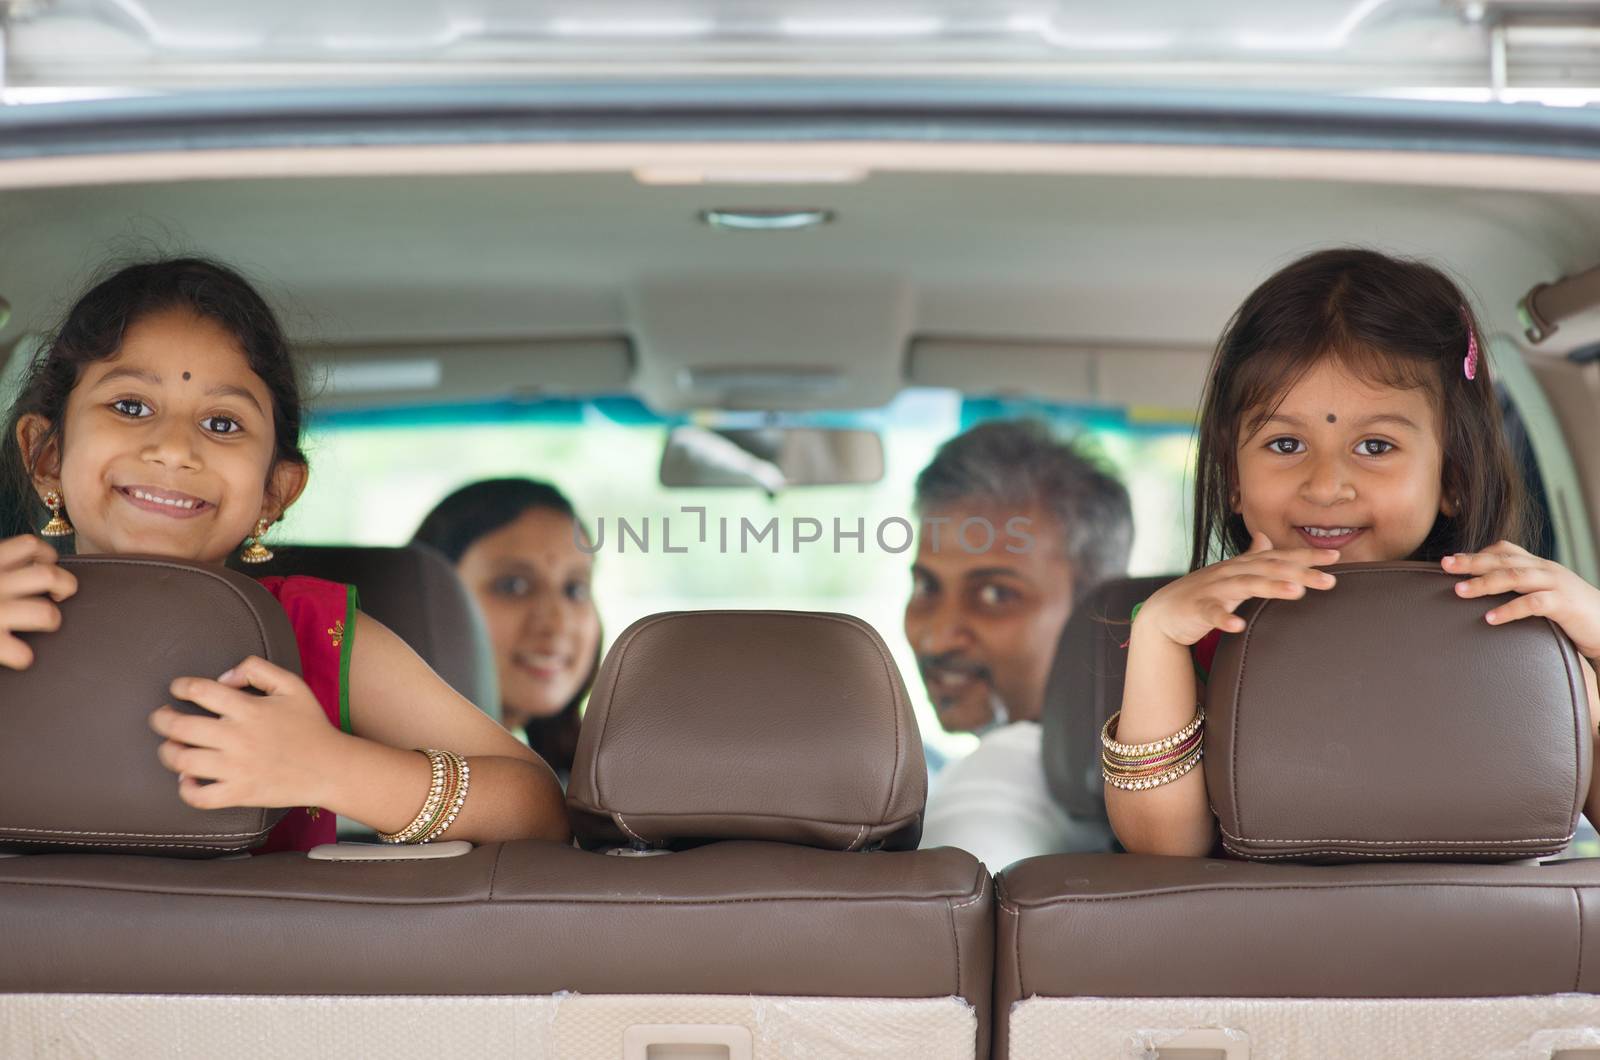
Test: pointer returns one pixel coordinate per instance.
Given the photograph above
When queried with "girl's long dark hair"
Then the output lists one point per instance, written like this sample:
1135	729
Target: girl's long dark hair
481	508
1387	320
93	331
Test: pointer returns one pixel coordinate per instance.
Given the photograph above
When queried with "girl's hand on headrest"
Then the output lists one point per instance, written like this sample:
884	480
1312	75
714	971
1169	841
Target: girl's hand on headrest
1191	607
260	750
31	584
1543	588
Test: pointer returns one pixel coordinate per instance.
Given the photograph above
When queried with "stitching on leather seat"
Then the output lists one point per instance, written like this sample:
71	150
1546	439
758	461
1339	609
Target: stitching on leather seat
1180	891
1400	842
955	934
1016	950
623	824
1577	897
982	887
1421	851
494	871
860	835
642	903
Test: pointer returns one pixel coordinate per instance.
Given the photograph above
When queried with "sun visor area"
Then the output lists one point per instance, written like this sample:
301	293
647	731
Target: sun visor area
468	370
779	343
1123	376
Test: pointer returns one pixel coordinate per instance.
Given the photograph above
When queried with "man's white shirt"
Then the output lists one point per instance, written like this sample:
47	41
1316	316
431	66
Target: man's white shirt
995	803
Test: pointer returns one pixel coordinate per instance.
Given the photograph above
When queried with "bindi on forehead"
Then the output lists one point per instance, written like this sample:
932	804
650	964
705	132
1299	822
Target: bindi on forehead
186	379
1331	417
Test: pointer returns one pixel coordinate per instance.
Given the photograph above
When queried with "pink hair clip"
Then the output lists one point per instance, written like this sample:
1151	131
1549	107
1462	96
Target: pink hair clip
1470	364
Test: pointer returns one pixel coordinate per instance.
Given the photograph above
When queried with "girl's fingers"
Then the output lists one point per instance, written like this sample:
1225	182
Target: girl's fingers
188	729
1298	557
1506	580
1540	603
1487	560
31	614
255	672
1269	587
199	762
1225	620
202	796
14	655
21	551
38	579
214	696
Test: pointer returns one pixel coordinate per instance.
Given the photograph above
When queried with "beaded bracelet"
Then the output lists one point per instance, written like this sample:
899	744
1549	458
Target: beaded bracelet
1136	767
447	790
457	799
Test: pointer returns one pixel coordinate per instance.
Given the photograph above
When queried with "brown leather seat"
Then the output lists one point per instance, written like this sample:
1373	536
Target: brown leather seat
738	938
1411	731
415	592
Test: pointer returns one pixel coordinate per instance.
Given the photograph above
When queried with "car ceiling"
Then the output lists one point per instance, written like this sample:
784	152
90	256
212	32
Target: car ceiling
596	281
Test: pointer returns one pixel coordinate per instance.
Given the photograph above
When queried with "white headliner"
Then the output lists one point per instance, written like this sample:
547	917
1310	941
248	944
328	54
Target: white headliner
1082	247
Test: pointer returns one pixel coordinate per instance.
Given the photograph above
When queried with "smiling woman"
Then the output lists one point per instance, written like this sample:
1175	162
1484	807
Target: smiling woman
516	544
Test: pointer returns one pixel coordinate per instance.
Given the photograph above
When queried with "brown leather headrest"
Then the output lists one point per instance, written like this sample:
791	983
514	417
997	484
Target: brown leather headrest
78	767
1384	718
777	725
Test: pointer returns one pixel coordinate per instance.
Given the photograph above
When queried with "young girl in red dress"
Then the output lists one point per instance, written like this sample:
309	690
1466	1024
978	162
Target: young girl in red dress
1349	417
164	418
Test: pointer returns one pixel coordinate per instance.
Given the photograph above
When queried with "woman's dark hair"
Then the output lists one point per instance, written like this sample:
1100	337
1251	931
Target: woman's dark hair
93	331
475	511
1386	320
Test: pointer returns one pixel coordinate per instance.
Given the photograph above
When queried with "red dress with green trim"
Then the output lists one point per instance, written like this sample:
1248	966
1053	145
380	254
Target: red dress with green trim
323	615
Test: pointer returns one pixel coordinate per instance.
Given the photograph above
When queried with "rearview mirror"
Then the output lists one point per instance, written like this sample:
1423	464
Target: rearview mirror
770	458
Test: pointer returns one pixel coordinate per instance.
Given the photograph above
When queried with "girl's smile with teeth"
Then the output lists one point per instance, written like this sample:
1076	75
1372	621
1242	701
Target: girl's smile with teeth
165	501
1329	536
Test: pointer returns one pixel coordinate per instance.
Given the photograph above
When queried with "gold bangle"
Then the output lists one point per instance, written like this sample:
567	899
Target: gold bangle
452	780
437	764
458	797
1135	750
1175	772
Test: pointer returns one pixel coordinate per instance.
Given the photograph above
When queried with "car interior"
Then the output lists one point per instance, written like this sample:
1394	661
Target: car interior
652	298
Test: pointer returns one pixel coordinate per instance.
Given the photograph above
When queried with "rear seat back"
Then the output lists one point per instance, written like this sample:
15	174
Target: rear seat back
1344	718
755	947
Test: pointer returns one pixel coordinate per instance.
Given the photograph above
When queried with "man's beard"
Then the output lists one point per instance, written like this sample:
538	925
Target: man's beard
932	665
999	714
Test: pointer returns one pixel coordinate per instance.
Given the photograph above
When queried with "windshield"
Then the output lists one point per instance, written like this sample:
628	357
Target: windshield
1457	49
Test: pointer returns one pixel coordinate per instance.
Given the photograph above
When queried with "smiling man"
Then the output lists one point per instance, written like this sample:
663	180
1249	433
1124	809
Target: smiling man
1015	527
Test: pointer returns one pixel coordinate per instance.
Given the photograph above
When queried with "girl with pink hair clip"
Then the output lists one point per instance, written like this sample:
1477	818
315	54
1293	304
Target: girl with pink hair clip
1349	417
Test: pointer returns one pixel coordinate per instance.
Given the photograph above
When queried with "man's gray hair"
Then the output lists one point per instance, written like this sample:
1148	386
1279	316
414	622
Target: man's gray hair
1019	463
